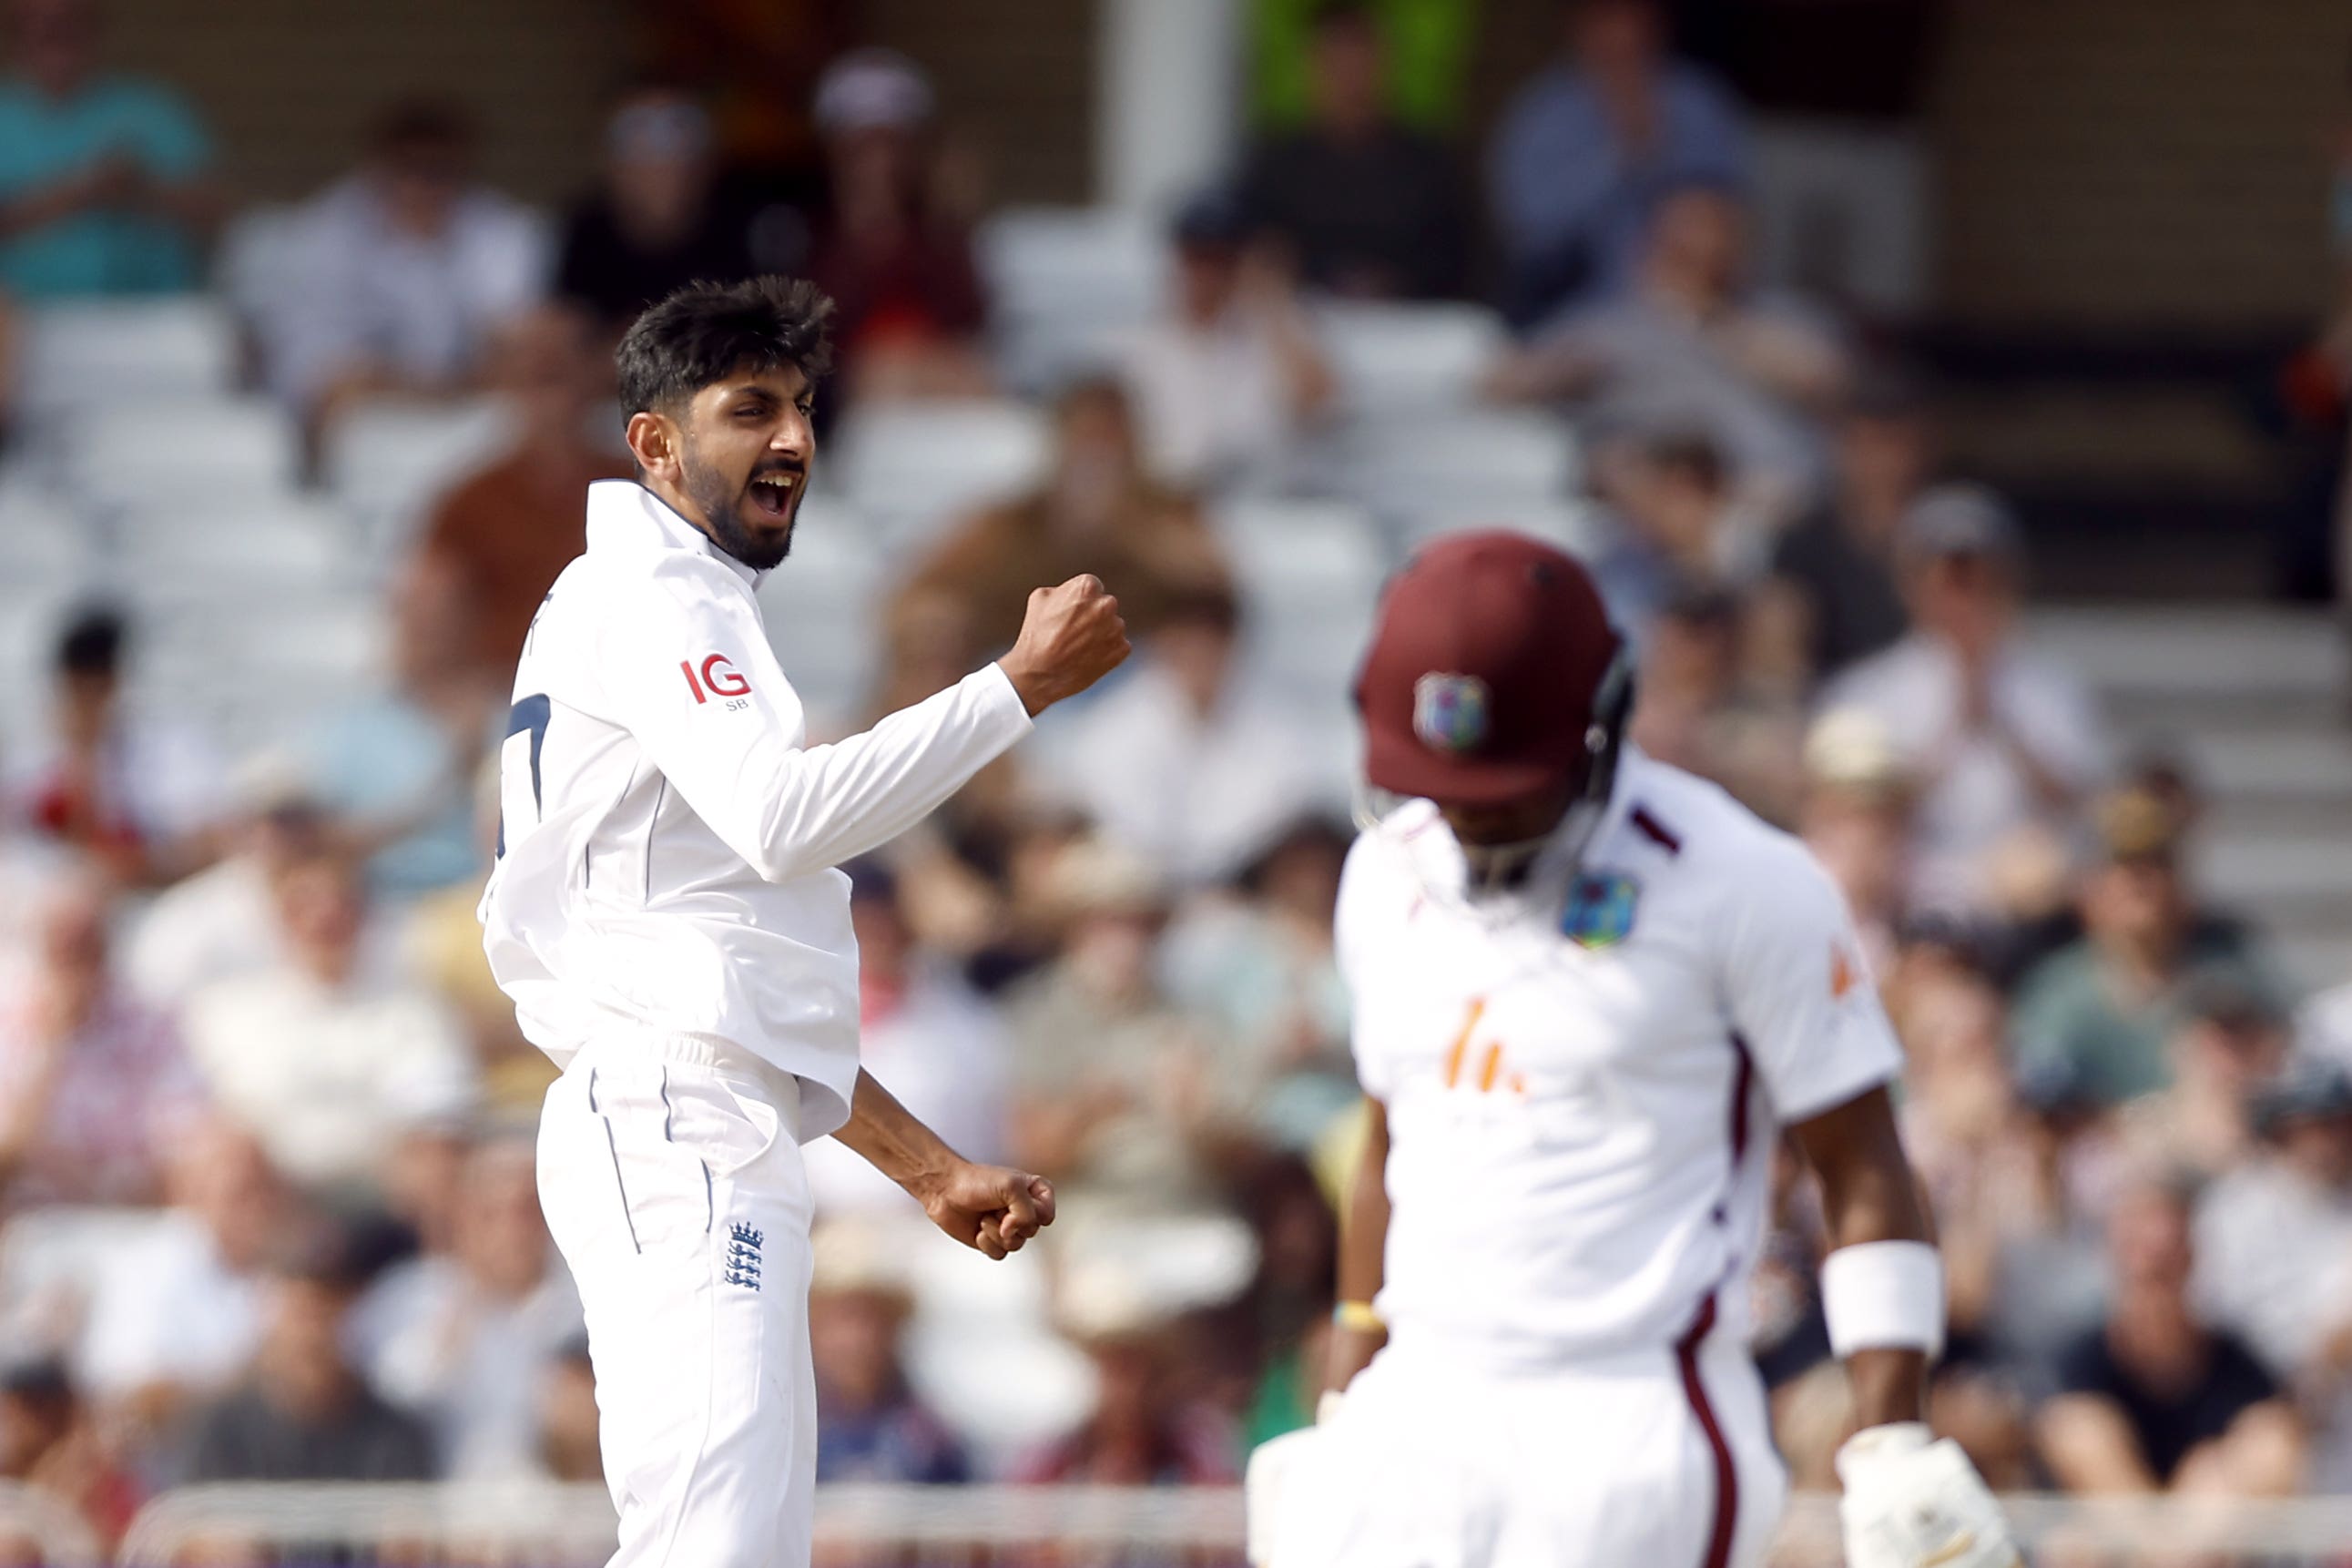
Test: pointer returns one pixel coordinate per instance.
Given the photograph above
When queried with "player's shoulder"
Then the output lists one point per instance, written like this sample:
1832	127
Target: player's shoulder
1704	834
1379	870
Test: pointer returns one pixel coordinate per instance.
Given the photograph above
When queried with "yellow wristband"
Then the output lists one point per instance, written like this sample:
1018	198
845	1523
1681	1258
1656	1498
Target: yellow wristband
1358	1316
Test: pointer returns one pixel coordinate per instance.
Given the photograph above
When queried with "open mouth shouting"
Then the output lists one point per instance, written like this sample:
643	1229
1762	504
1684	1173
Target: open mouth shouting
772	492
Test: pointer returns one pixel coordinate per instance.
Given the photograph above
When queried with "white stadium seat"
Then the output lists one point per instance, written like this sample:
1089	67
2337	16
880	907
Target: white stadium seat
821	607
1421	465
914	468
1399	358
250	549
388	461
43	541
1066	284
127	453
258	259
1576	526
77	354
1311	576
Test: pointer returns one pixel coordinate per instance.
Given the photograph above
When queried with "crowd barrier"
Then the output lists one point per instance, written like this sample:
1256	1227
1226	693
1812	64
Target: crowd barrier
1003	1527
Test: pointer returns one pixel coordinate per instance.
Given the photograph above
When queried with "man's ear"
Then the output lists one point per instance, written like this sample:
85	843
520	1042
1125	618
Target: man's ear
653	441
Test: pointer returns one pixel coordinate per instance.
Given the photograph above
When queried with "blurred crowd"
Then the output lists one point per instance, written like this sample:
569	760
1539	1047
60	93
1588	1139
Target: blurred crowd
266	1124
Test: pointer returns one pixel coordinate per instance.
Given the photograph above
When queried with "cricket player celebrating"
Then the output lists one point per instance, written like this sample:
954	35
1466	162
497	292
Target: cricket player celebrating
1591	991
666	914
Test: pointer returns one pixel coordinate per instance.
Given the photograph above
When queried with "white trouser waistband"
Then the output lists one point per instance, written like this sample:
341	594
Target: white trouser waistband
741	1070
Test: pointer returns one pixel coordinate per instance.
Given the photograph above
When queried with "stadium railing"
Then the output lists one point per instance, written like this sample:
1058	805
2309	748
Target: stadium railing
1063	1527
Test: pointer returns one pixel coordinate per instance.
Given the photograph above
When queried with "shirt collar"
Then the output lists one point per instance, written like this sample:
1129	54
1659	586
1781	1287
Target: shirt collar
623	516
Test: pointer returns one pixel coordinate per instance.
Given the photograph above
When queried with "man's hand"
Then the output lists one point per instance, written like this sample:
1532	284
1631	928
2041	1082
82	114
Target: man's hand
1915	1502
989	1208
1072	637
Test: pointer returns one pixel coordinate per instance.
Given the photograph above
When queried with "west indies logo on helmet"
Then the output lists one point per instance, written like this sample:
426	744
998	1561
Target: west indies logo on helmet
1493	679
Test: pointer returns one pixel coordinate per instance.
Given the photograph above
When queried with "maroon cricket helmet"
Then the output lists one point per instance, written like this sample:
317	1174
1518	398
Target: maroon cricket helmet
1494	675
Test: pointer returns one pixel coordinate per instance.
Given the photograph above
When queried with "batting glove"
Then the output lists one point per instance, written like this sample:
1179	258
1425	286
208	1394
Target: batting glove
1912	1501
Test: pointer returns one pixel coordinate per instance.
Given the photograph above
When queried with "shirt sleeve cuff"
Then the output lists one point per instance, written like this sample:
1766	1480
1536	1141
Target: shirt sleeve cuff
999	703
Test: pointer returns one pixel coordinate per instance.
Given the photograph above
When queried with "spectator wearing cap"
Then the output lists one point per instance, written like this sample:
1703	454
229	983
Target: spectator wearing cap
1119	1097
1148	1428
663	216
332	1067
1692	344
94	1087
925	1031
503	532
1584	150
105	180
1229	374
462	1340
2274	1233
1855	814
2155	1398
303	1412
1837	560
1370	207
139	792
1186	760
2105	1005
893	247
871	1425
2228	1042
1098	510
2001	738
406	264
1701	706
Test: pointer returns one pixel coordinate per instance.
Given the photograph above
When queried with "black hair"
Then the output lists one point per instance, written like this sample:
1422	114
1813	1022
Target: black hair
1344	16
705	332
92	643
1692	455
423	122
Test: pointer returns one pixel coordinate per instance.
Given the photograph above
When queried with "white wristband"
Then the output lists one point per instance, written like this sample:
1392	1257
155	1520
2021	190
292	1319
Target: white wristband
1884	1295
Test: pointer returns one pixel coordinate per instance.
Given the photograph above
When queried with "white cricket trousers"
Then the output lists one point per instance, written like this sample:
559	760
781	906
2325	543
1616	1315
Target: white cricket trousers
672	1183
1653	1459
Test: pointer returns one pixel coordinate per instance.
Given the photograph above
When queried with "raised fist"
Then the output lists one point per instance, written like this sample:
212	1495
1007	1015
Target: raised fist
1072	637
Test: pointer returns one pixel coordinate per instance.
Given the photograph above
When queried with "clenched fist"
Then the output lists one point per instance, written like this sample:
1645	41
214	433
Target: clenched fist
1072	637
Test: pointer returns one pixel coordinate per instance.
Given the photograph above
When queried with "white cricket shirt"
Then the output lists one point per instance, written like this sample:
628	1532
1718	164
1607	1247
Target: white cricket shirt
668	842
1585	1081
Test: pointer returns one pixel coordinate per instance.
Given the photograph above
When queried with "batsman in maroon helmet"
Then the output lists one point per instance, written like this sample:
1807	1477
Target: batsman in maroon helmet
1590	993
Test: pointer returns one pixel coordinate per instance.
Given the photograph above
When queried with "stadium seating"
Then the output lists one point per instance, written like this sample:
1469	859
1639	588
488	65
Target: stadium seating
1417	465
1065	283
914	468
77	355
387	460
820	610
128	453
1397	359
1310	574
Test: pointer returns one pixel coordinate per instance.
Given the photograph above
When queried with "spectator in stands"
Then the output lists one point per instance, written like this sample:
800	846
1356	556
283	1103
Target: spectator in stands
1689	343
2229	1042
1671	498
49	1441
1186	760
2104	1005
1229	377
923	1031
1855	814
1122	1100
303	1412
1586	148
139	794
1257	964
1096	512
463	1340
328	1067
506	529
104	178
2154	1399
664	217
1370	207
1149	1426
406	266
223	920
1700	706
568	1448
2002	739
175	1312
870	1425
397	768
94	1088
1838	559
892	246
2274	1233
